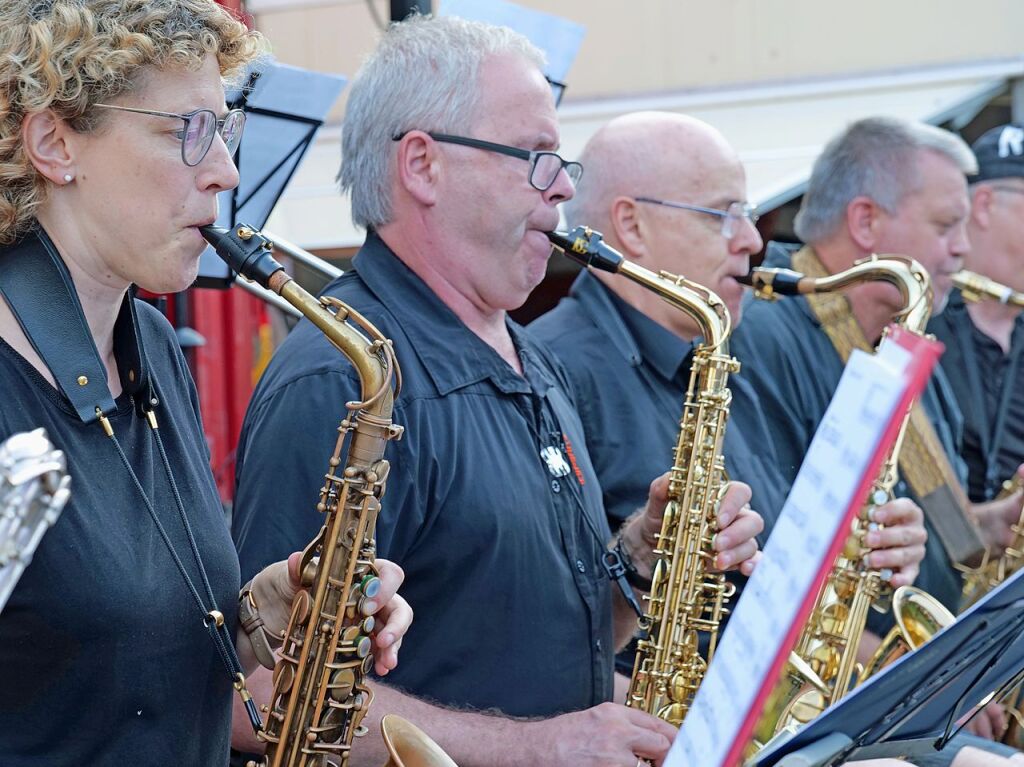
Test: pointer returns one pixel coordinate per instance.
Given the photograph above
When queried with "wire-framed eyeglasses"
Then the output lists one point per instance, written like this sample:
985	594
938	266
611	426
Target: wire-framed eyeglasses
200	127
544	166
732	217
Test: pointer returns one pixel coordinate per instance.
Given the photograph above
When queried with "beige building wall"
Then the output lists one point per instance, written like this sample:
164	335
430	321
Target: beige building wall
655	46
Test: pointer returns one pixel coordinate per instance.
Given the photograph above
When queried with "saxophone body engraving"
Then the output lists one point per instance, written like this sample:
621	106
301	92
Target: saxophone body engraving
686	597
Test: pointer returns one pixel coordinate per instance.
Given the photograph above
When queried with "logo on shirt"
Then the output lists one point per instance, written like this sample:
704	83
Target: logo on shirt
555	461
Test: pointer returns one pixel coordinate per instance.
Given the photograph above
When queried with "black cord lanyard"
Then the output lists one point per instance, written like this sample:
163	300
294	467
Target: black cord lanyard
991	439
213	618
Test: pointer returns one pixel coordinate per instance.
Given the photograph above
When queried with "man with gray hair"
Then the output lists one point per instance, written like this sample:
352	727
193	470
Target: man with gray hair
882	186
492	506
984	355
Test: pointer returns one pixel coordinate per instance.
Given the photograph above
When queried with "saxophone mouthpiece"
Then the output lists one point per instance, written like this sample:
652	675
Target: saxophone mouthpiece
245	250
769	284
587	247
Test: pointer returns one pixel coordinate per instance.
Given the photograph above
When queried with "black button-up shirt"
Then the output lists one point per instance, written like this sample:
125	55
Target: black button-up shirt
631	376
795	370
989	387
492	508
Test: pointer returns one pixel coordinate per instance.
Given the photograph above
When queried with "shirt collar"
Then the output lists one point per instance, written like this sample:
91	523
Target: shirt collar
453	355
635	335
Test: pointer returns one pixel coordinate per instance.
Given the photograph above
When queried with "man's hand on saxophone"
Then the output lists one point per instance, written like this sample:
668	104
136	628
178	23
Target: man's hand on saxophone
898	546
738	527
996	518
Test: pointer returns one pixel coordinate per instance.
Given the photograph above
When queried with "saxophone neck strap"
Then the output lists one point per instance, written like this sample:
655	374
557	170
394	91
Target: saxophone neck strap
923	461
38	288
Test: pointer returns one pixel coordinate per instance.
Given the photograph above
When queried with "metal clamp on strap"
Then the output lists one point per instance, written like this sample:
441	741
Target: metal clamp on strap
263	642
38	287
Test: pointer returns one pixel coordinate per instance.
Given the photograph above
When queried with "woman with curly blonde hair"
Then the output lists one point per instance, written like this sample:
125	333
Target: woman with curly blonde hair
121	642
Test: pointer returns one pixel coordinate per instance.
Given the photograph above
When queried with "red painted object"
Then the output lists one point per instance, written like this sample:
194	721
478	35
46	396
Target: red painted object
236	328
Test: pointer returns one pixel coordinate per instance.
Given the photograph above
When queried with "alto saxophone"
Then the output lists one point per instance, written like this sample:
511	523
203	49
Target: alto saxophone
320	694
977	583
823	666
686	598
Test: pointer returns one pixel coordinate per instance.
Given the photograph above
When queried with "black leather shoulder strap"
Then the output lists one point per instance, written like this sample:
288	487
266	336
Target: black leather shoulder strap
38	287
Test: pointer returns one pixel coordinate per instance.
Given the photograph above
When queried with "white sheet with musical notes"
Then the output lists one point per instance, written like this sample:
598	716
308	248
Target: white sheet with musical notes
832	472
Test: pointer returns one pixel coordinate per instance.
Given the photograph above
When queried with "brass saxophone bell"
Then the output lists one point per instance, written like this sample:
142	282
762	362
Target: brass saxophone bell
409	746
919	617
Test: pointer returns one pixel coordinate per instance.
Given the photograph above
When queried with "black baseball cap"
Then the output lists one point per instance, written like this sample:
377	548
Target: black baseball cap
1000	153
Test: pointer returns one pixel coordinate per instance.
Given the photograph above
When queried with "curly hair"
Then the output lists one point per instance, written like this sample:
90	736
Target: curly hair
68	55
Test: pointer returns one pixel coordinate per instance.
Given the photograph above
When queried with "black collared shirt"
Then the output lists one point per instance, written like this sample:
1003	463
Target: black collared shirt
795	370
631	376
989	387
502	554
102	646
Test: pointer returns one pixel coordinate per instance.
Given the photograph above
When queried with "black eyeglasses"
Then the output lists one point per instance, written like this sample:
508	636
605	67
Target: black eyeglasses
200	128
544	166
732	217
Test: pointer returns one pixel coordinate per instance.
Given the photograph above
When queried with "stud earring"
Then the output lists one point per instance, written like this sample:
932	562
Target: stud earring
68	178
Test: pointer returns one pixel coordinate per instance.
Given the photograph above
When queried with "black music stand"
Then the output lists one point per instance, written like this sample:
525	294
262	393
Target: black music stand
917	700
284	106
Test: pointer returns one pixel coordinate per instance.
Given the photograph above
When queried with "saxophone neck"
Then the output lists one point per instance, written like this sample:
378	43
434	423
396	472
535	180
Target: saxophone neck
249	253
909	277
586	246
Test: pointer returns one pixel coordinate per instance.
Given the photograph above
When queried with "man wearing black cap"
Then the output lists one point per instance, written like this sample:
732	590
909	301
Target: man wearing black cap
984	341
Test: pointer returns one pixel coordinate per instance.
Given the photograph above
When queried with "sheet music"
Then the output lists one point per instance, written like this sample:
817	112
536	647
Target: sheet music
833	470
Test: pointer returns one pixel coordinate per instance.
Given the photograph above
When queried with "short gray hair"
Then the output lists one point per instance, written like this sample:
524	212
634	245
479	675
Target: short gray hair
422	76
877	158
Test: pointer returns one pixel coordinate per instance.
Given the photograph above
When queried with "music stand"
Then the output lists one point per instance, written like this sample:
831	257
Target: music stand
920	696
284	106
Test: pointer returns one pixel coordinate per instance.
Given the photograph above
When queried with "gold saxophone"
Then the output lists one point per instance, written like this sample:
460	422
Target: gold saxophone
977	583
823	666
320	692
686	597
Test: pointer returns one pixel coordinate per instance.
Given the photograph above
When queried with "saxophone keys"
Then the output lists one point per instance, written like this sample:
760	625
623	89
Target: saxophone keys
343	681
355	642
284	675
301	606
673	713
807	706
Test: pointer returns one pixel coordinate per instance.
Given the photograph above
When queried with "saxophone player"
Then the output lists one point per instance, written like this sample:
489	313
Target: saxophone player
122	637
984	343
450	153
884	186
669	192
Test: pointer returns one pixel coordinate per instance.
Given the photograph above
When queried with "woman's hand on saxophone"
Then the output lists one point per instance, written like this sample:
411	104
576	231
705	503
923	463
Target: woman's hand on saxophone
899	544
273	590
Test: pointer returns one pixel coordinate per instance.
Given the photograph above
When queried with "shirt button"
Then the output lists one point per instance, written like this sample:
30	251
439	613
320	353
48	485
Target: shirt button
597	644
555	486
580	566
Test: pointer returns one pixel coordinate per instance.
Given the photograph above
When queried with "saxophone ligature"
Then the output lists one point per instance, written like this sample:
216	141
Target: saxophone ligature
687	599
320	694
823	666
